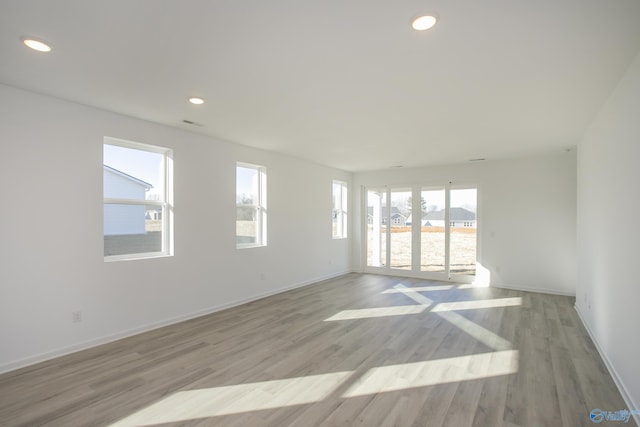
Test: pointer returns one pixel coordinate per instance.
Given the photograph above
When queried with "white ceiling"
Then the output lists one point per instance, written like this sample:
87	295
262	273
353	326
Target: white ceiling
345	83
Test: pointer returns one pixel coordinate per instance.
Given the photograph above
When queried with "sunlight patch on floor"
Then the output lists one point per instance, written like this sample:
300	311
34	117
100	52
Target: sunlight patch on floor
477	304
423	303
366	313
397	290
414	295
234	399
485	336
432	372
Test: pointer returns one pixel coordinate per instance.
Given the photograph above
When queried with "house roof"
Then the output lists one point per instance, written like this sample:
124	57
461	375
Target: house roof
457	214
127	176
383	211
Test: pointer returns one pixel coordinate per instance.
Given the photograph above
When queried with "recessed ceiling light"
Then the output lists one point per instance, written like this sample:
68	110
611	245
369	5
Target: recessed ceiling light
34	44
423	22
197	101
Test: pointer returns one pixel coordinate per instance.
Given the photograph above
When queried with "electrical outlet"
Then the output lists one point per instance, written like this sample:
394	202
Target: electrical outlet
76	317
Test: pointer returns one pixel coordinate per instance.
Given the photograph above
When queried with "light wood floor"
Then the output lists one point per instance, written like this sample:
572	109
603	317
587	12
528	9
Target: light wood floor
357	350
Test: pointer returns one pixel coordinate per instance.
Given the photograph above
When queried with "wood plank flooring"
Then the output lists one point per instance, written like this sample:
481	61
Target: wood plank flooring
357	350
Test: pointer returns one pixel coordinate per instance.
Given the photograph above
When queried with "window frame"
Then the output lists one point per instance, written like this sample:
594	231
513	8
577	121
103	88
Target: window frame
384	265
165	204
340	210
260	207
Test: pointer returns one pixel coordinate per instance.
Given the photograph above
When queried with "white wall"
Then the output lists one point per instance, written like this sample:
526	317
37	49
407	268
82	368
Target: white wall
526	211
608	291
51	233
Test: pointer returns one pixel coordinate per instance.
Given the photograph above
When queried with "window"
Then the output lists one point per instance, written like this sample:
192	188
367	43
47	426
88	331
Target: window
251	205
340	203
137	205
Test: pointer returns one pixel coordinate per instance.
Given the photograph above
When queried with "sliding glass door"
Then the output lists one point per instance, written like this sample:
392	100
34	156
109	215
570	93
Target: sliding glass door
427	231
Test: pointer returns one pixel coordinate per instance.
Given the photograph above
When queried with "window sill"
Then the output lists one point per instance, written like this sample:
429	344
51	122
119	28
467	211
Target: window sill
250	245
135	257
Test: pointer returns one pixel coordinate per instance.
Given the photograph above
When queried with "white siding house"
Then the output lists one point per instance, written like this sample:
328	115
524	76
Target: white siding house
123	219
459	217
397	218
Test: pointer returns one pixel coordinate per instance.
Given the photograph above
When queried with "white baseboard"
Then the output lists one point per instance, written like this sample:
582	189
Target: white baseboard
631	405
84	345
539	290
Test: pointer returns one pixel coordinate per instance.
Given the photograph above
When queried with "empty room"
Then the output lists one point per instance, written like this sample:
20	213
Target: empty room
297	213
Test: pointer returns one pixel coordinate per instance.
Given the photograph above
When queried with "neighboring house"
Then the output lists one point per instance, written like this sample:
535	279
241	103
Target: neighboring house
124	219
459	217
397	219
153	214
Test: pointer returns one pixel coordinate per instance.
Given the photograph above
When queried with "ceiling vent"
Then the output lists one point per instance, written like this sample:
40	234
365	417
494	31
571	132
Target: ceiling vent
189	122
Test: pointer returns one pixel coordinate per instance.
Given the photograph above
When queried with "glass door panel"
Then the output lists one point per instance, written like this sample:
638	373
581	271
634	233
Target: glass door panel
432	230
376	228
463	231
400	235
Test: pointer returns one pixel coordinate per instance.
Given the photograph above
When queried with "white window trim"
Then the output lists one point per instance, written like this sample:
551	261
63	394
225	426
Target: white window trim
260	207
166	204
342	208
